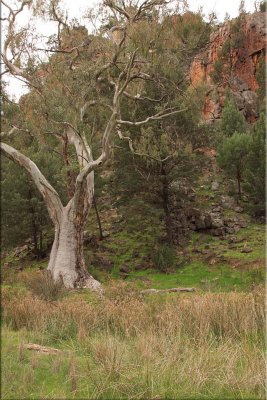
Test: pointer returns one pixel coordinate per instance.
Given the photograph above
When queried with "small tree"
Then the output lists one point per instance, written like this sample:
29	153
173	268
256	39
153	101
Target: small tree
233	155
255	176
231	119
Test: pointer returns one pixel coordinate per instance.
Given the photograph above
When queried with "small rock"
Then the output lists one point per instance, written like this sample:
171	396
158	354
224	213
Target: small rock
217	209
232	239
217	223
232	246
218	232
230	230
105	234
239	209
200	223
208	221
227	202
205	251
212	261
124	269
215	186
246	250
141	267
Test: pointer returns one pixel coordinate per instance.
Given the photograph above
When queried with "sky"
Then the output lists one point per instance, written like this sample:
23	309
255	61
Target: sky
220	7
76	10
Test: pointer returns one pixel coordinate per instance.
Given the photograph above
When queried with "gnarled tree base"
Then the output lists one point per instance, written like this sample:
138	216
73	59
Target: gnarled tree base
89	283
66	261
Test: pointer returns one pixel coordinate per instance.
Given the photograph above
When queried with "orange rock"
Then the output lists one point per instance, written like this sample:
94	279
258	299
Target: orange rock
241	76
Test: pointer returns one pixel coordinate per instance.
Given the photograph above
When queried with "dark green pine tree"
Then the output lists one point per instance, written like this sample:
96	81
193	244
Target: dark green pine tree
233	155
231	119
255	173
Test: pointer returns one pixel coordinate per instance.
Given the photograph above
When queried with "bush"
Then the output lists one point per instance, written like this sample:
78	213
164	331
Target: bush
233	155
44	287
164	258
231	119
255	175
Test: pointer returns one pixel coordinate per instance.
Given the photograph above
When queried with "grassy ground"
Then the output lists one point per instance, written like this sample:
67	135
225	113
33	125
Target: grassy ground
206	263
125	346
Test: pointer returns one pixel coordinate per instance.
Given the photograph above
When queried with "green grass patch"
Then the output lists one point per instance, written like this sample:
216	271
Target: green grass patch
201	276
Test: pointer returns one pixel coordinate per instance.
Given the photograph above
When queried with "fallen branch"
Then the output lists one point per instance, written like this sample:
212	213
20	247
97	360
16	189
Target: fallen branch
172	290
41	349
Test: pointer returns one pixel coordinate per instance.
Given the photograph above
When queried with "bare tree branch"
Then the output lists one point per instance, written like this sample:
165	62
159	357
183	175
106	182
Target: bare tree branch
156	117
16	128
143	98
11	19
49	194
146	155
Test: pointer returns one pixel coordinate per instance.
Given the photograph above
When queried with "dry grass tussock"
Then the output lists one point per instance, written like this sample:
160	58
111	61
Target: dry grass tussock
126	312
168	346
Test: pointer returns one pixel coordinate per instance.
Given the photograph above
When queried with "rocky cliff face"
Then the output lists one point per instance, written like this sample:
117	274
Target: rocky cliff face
233	54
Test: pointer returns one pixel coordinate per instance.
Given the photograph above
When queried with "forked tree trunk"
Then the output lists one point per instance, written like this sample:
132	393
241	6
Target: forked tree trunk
66	261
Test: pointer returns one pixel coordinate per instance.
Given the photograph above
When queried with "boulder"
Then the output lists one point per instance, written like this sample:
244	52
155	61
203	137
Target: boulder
200	223
216	221
215	186
228	202
124	269
208	221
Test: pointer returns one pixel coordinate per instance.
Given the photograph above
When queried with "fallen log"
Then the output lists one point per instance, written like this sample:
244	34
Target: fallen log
172	290
41	349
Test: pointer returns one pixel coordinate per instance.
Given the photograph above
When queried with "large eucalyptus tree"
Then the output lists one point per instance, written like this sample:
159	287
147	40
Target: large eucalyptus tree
81	76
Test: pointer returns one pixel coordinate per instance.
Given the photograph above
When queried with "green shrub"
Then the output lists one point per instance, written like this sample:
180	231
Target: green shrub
164	258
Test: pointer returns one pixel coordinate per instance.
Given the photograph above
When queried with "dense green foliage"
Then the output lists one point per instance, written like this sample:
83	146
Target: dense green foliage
231	119
260	76
255	173
233	155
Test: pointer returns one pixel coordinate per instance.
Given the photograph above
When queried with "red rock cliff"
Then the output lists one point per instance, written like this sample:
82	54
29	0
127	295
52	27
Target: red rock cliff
240	63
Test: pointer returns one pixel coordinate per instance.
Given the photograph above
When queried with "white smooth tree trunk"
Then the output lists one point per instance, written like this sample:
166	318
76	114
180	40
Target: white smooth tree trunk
67	259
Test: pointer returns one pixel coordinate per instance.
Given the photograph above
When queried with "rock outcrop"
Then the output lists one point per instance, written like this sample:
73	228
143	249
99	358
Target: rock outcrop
212	221
238	49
